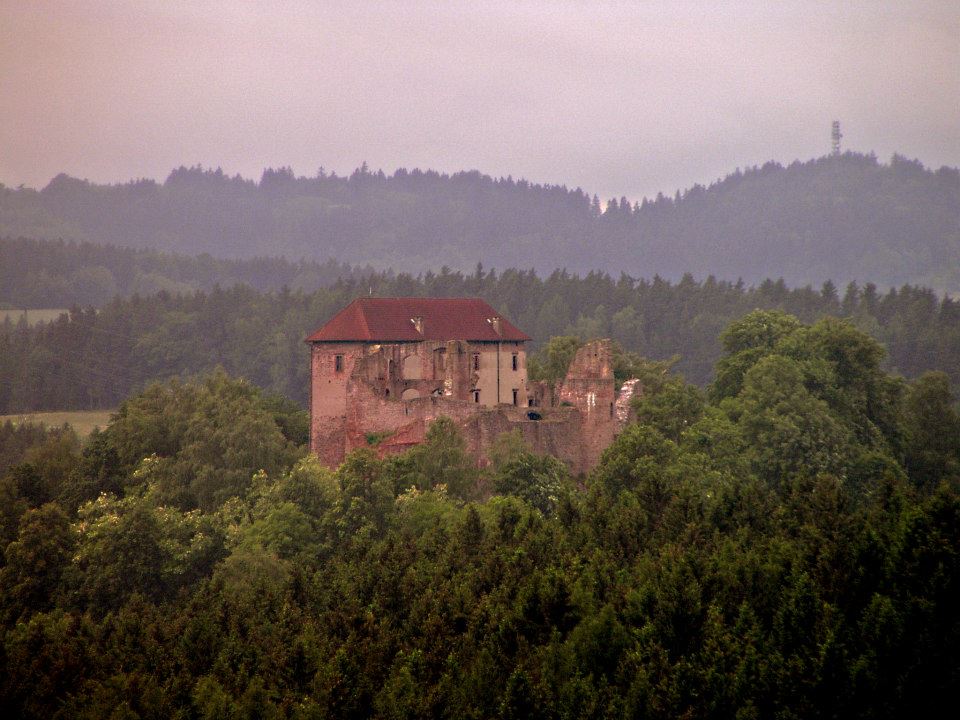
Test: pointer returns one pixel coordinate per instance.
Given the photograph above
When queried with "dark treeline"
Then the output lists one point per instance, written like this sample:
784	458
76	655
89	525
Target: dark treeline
59	274
92	359
785	545
844	218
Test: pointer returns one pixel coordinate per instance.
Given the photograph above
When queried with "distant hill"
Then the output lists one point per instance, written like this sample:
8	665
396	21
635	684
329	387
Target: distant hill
841	218
58	273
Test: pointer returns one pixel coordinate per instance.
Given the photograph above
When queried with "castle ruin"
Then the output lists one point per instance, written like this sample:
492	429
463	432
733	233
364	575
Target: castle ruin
383	369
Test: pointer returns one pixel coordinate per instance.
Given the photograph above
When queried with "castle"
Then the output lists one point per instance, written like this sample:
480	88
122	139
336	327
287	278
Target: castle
383	369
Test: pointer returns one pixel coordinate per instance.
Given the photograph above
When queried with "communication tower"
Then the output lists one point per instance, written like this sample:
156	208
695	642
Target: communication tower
835	136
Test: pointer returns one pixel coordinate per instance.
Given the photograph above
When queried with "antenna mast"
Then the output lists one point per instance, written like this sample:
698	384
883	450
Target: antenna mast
835	136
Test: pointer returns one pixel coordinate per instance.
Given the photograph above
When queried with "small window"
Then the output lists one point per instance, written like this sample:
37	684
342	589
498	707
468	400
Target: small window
338	363
441	359
516	393
516	363
476	361
611	409
476	396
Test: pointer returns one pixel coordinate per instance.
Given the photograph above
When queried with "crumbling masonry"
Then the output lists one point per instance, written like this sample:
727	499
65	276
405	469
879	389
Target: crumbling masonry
383	369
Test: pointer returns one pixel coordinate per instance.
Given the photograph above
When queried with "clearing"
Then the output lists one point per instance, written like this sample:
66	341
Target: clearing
82	421
33	316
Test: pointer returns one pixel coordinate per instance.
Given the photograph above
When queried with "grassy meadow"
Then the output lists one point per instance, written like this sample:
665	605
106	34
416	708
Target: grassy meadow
33	316
82	421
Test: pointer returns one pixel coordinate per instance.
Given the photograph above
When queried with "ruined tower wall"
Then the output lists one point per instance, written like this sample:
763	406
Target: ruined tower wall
589	386
329	379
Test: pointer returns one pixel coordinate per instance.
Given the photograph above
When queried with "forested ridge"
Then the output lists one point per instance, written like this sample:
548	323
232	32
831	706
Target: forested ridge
838	218
59	274
785	544
92	359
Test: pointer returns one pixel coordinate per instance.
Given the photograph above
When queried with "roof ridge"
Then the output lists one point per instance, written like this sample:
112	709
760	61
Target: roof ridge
371	319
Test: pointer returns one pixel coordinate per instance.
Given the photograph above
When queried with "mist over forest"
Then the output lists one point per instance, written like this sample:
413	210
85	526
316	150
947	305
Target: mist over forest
725	482
775	534
841	218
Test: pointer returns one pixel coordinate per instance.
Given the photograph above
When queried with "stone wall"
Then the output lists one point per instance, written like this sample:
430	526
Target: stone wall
329	381
589	386
386	396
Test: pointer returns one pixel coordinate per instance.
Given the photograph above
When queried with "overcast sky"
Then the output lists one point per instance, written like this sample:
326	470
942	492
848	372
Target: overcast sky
618	98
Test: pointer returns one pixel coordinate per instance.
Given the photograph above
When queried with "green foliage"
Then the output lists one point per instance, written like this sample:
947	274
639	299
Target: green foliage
36	559
98	470
17	439
366	495
12	506
375	438
135	546
203	440
441	460
637	458
419	512
540	480
790	430
932	431
791	550
551	364
744	343
47	467
652	374
809	399
670	406
293	421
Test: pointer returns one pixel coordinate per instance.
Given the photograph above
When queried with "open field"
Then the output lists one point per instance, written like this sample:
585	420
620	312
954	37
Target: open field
83	421
33	316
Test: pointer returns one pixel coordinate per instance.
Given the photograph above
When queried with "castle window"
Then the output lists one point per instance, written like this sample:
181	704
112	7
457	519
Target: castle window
516	393
441	359
516	363
476	361
338	363
476	396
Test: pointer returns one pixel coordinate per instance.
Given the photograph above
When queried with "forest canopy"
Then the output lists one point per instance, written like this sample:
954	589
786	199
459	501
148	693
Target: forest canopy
785	543
92	358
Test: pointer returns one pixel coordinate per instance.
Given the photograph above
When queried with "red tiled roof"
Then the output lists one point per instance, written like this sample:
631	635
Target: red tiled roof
391	320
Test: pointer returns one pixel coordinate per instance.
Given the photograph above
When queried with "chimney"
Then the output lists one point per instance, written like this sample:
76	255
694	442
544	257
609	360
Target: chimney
418	323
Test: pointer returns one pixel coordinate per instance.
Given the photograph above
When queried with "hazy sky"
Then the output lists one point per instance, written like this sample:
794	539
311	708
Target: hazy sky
620	98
